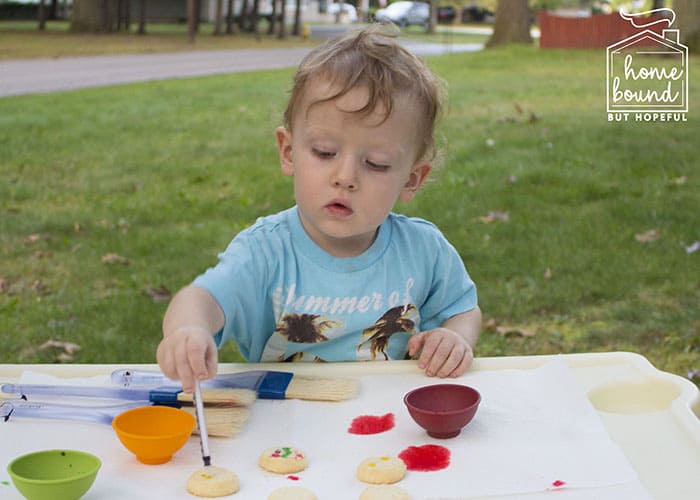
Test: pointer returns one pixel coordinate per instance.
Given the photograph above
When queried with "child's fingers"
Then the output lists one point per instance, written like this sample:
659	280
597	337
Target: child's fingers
415	343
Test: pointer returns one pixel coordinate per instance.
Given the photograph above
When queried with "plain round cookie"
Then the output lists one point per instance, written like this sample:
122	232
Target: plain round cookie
211	481
292	493
283	460
384	492
381	470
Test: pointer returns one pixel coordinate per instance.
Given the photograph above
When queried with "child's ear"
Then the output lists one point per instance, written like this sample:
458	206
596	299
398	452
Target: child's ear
284	146
418	175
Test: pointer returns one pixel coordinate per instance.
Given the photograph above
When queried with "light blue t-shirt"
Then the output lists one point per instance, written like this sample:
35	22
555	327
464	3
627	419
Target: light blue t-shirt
286	299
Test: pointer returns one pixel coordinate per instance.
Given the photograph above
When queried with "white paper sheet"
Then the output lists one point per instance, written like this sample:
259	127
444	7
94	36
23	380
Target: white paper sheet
534	429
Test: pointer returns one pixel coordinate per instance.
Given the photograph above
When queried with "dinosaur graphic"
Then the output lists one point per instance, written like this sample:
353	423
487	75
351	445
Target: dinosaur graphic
395	320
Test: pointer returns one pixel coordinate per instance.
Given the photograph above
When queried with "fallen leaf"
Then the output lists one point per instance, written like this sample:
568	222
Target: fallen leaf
77	228
65	353
31	239
507	330
160	294
548	274
693	247
493	216
679	180
113	258
68	347
647	237
40	287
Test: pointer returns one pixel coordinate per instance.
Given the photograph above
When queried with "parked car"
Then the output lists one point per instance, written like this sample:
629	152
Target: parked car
475	14
446	14
405	14
349	11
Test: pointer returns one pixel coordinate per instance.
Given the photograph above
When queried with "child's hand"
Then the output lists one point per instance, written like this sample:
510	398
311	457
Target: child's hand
444	352
187	354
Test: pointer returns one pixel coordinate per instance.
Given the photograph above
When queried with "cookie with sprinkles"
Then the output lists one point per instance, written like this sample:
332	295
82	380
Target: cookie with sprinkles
381	470
283	460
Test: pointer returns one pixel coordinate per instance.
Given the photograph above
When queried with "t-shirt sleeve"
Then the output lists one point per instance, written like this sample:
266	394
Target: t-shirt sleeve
452	290
237	282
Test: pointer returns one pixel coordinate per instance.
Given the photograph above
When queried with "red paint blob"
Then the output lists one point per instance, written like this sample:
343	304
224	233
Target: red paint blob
371	424
558	483
429	457
293	478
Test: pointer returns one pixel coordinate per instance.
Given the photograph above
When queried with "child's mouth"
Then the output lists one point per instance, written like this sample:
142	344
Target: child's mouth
339	209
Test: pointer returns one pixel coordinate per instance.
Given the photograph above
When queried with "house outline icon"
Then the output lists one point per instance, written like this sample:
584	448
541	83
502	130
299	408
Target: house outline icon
670	45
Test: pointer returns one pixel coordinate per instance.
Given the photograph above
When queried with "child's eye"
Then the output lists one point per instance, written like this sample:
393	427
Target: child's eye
377	166
324	155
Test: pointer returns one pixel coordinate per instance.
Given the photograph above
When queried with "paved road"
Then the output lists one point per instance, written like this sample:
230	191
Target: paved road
67	73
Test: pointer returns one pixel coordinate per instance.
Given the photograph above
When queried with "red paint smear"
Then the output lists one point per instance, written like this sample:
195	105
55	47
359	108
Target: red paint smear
293	478
429	457
558	483
371	424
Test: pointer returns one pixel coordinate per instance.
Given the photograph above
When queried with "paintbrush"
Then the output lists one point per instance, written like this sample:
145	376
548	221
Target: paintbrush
267	384
223	421
201	424
162	395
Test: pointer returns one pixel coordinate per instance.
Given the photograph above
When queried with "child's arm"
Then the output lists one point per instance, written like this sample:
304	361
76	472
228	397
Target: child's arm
188	350
447	351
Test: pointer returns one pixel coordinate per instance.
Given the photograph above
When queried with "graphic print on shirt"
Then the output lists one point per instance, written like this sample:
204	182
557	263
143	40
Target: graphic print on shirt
303	329
395	320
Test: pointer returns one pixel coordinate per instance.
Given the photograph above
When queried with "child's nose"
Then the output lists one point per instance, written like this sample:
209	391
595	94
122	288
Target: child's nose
344	175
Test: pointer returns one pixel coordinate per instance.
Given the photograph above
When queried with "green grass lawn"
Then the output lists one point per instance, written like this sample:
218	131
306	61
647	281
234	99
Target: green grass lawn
163	174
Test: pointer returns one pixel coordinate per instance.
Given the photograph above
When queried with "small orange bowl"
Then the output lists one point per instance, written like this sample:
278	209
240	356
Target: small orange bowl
154	433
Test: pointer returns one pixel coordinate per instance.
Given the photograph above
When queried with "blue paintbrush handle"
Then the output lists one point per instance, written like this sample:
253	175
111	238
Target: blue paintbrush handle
28	409
156	395
268	384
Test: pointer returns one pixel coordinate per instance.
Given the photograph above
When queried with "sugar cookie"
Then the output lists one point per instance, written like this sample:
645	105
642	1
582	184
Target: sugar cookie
212	481
283	460
381	470
292	493
384	492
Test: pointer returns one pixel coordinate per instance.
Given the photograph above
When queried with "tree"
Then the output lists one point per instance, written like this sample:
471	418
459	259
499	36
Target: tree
688	22
512	23
92	15
218	16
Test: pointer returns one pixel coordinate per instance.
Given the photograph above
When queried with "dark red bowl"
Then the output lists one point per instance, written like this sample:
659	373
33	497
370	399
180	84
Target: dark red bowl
442	409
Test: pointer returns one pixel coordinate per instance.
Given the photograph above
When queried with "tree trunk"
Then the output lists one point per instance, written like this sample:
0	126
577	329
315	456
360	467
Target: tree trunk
191	20
273	18
688	22
42	15
93	15
296	31
512	23
432	21
282	33
229	18
218	16
243	16
142	17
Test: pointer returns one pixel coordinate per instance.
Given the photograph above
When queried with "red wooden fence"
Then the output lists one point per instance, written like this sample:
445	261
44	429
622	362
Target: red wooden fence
601	30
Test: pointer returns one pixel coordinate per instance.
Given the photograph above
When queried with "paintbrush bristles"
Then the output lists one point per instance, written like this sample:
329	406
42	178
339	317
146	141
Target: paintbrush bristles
225	397
222	422
321	389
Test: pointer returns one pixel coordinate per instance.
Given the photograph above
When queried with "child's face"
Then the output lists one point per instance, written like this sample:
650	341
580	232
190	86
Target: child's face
349	169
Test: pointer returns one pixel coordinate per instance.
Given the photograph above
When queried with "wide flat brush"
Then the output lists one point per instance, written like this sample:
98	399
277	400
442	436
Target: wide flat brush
222	421
161	395
267	384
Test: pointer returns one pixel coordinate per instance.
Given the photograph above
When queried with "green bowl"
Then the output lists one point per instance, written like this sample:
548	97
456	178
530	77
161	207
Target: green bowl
54	474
